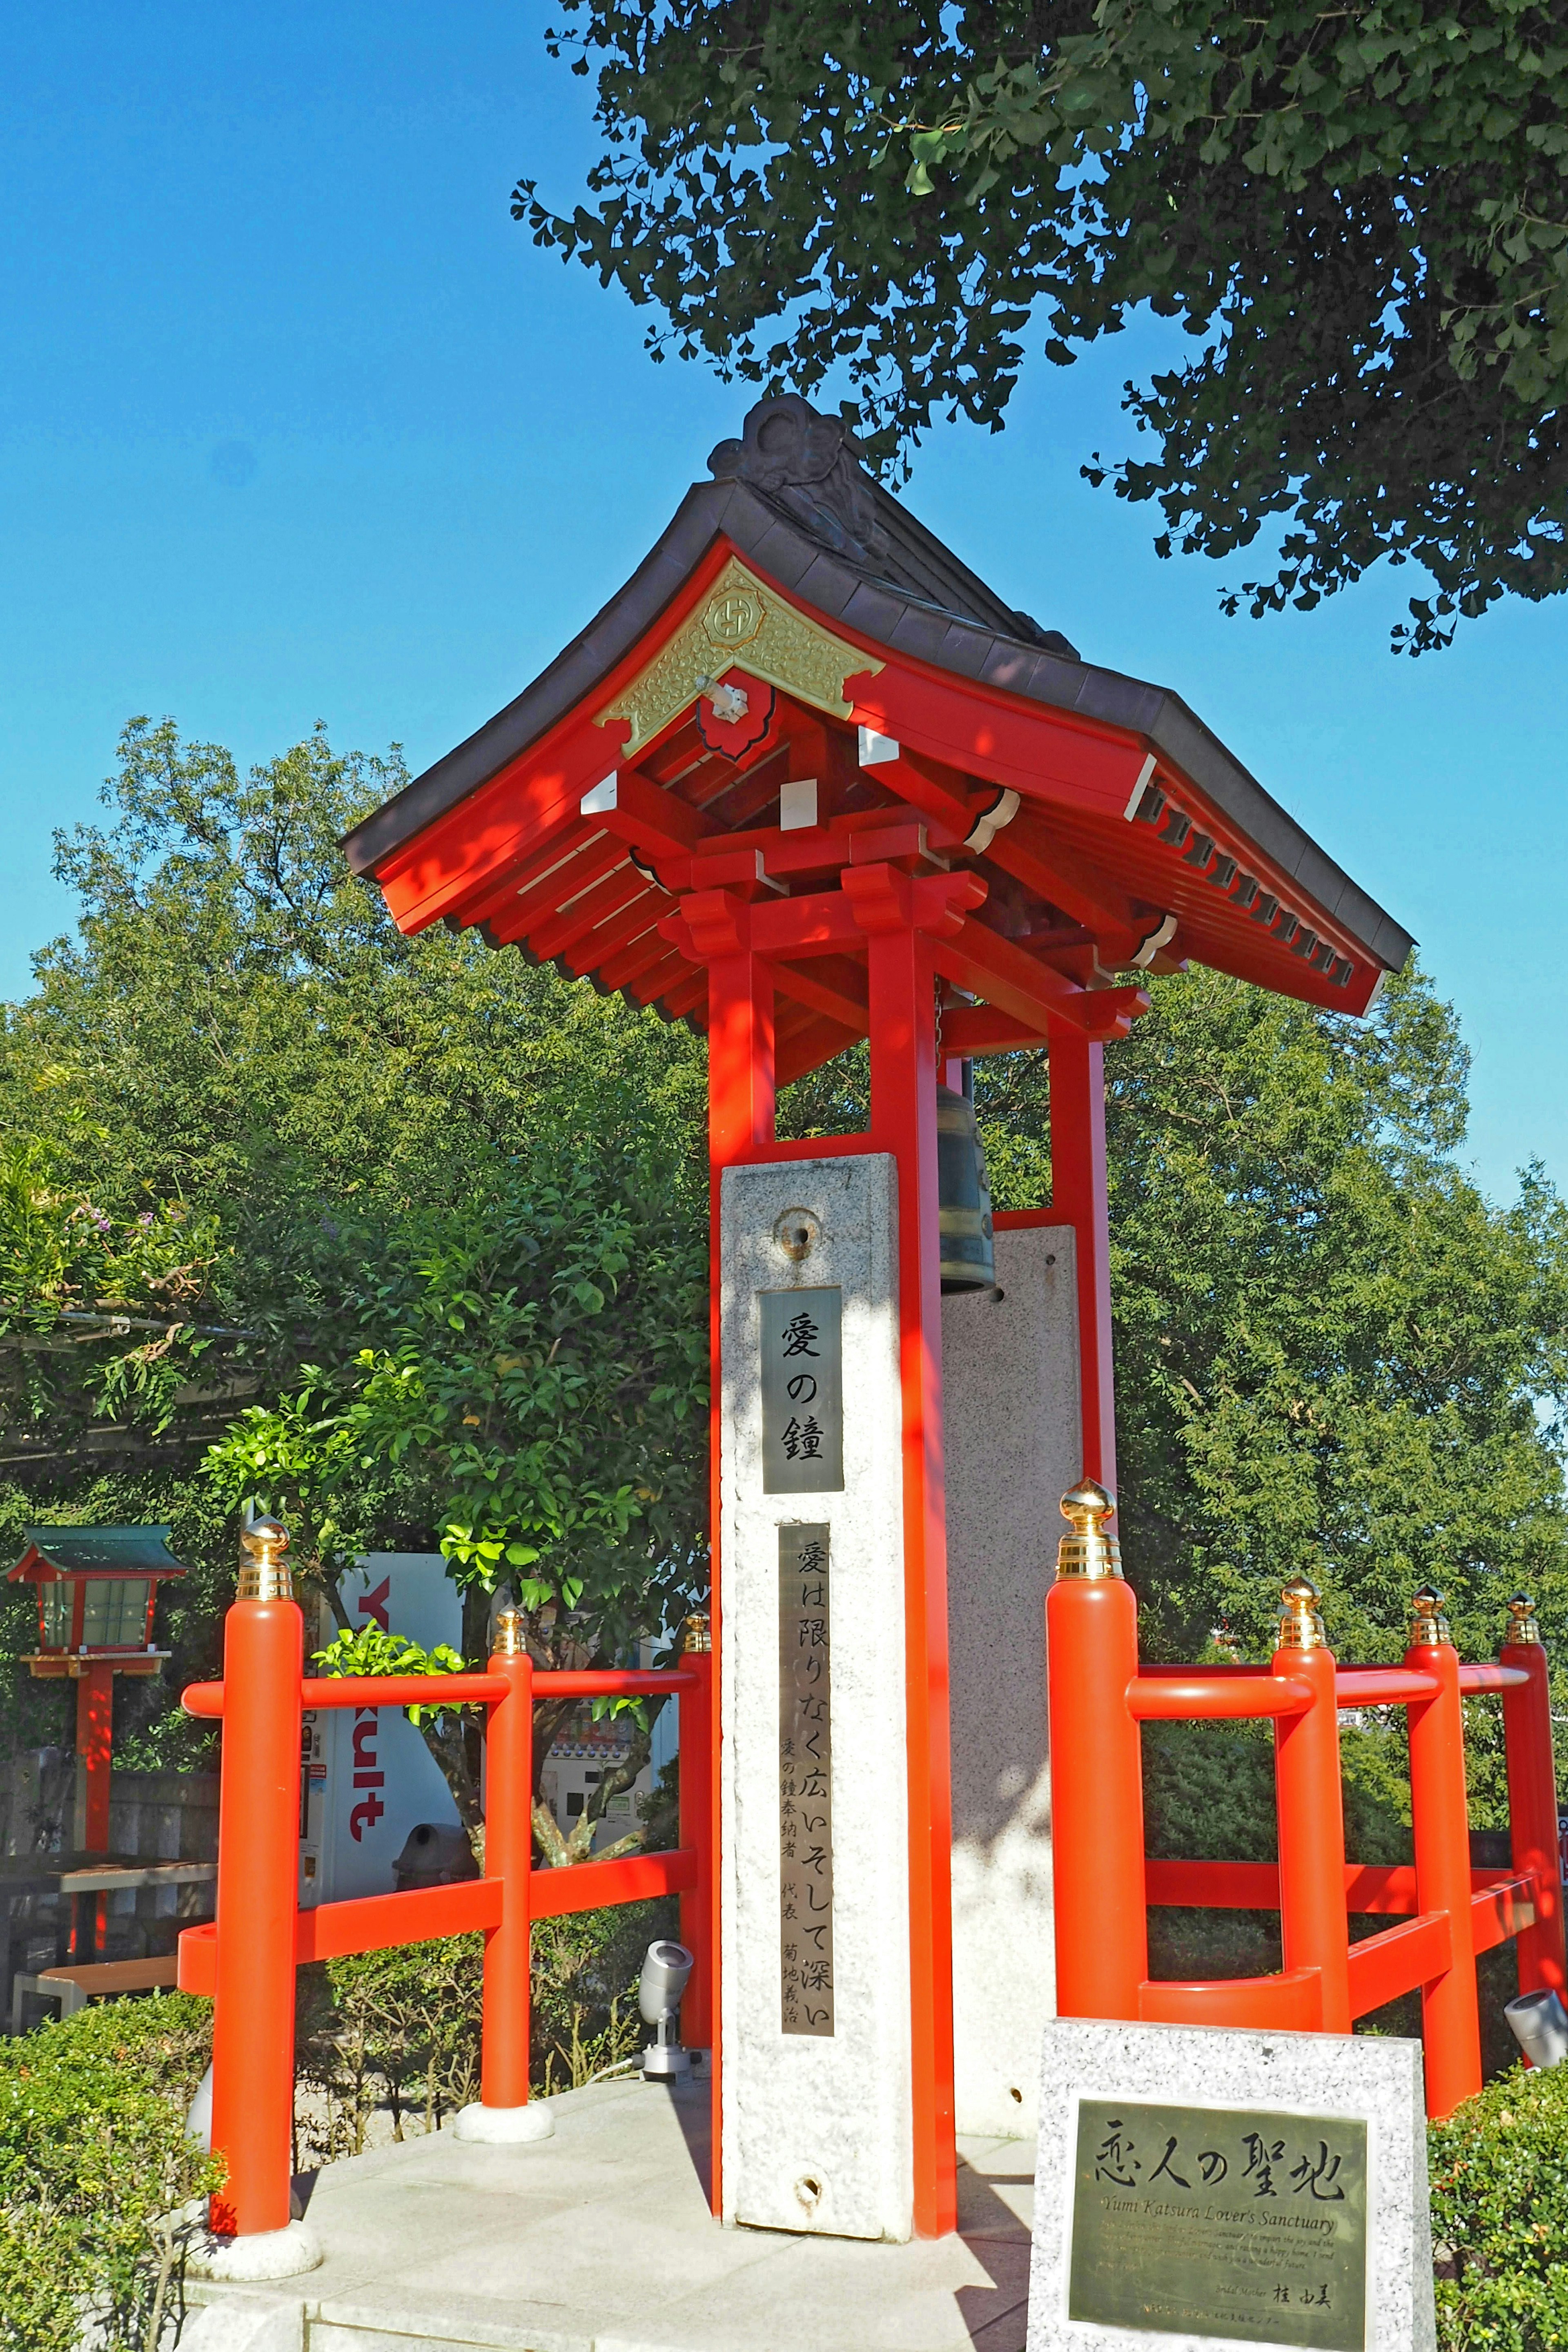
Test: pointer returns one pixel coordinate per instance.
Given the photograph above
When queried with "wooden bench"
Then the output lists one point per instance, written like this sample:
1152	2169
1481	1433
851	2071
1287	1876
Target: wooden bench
74	1988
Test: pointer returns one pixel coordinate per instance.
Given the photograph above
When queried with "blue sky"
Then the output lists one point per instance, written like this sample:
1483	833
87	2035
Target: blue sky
296	425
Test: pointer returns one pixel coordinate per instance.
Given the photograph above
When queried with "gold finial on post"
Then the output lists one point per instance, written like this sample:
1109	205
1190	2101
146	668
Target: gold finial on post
1300	1620
507	1641
1088	1551
1522	1624
699	1634
1427	1623
263	1571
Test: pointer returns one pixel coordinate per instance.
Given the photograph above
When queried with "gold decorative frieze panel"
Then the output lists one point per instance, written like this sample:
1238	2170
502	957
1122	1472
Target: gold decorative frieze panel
739	624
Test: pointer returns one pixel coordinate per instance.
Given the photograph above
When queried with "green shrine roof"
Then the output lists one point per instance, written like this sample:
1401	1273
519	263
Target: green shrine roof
98	1551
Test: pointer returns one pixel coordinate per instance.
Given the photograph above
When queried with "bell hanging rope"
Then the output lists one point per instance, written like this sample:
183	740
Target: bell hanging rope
968	1260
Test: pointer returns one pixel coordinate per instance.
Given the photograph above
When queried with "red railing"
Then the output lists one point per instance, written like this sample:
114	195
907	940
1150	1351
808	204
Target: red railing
1447	1912
246	1958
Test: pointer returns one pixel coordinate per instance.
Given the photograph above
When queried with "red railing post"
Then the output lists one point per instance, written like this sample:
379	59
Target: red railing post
1096	1786
503	2112
257	1888
1314	1928
1440	1810
1532	1800
697	1833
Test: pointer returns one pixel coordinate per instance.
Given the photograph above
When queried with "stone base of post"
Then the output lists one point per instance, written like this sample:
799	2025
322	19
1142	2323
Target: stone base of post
504	2126
252	2260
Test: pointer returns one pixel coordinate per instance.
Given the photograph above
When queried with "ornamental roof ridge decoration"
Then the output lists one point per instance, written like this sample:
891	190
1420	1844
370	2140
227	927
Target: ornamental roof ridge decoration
742	623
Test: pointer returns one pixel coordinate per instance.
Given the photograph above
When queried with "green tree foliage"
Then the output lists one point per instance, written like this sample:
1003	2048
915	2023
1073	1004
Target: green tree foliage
1359	214
430	1192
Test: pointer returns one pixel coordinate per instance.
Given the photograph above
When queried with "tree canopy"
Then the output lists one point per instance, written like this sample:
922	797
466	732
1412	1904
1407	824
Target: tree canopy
1359	214
417	1234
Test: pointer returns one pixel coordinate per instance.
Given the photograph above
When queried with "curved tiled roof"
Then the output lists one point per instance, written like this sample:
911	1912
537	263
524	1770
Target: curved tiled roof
839	542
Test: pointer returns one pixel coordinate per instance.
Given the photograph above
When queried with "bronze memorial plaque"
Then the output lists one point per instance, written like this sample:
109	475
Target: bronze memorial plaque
803	1391
1217	2221
805	1784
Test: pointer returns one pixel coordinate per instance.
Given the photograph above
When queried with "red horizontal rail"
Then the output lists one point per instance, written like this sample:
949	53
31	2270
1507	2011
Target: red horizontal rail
613	1683
632	1878
1491	1675
1382	1685
1369	1886
449	1690
373	1923
1383	1966
1292	2003
1215	1699
402	1690
370	1922
1147	1673
1503	1907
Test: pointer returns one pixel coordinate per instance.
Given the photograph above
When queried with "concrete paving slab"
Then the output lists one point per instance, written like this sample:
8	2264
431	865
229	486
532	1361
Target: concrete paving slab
600	2240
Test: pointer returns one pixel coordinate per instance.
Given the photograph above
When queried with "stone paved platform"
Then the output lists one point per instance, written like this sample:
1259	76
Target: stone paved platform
599	2240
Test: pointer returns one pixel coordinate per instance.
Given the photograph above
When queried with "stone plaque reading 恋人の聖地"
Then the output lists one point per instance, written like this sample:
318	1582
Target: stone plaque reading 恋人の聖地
803	1391
805	1784
1220	2222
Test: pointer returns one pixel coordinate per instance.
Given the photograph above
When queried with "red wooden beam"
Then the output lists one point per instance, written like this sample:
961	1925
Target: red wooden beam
973	1030
1292	2003
590	953
841	994
806	1052
515	912
586	1885
578	915
653	821
634	961
1008	976
1383	1966
1027	850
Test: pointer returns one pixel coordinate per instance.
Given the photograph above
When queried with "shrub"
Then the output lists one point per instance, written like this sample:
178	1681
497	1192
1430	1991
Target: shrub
400	2029
94	2164
1499	2215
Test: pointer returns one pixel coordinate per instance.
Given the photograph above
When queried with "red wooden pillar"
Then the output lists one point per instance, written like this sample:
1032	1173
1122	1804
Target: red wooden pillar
257	1882
903	1121
1078	1198
740	1128
509	1855
1440	1812
1313	1925
95	1745
1532	1800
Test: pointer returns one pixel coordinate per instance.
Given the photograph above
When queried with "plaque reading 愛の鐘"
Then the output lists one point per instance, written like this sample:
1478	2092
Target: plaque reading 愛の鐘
1219	2221
803	1391
805	1784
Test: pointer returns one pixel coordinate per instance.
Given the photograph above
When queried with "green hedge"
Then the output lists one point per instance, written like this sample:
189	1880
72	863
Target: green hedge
1499	2216
93	2162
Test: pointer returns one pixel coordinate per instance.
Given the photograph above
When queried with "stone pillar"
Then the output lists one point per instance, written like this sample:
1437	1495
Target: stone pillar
1010	1378
817	2096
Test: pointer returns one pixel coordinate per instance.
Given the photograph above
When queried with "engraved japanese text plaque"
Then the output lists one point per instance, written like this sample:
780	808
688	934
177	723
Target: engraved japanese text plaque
805	1784
1245	2225
803	1391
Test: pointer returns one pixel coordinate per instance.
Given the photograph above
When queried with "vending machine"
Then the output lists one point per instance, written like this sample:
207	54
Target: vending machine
368	1777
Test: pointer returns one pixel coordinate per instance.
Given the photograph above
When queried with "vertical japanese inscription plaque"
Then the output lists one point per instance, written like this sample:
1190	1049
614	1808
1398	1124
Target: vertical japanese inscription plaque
805	1784
1248	2225
803	1391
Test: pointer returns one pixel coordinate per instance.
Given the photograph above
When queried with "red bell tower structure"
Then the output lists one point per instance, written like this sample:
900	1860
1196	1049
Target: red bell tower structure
807	779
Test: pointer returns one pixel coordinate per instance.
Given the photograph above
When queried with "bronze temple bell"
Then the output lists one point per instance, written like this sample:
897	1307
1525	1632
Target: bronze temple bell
968	1260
